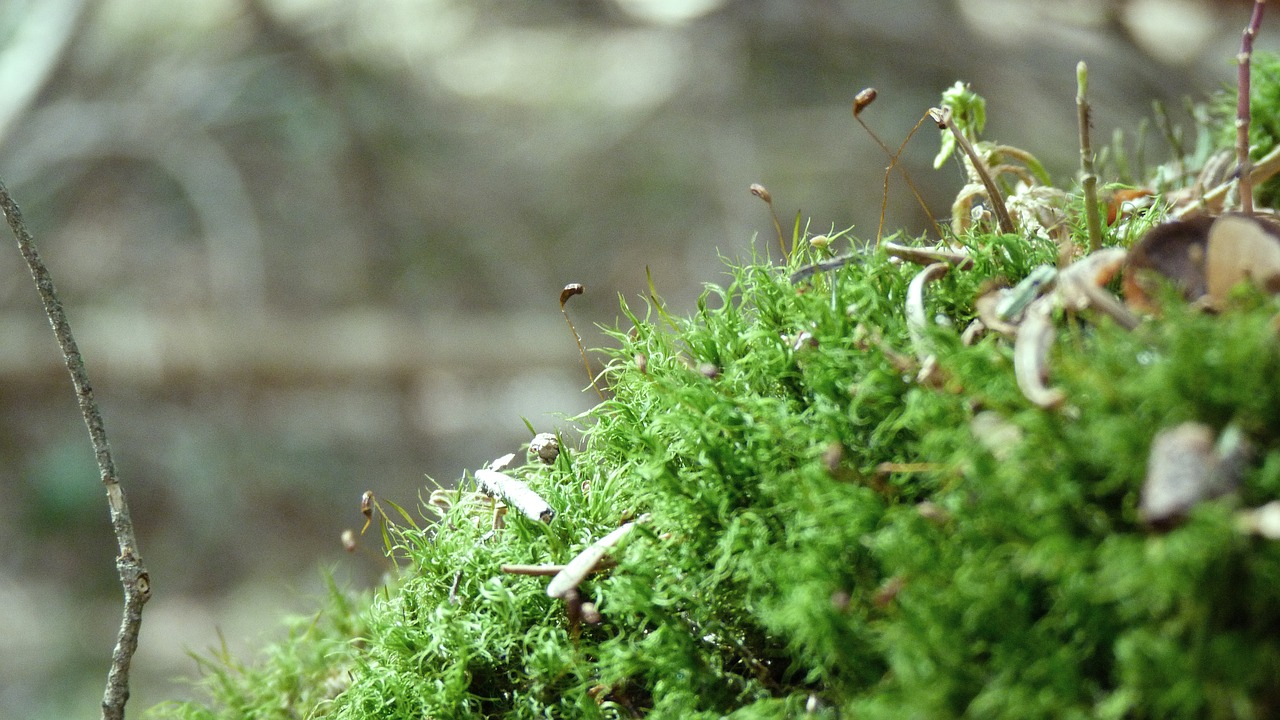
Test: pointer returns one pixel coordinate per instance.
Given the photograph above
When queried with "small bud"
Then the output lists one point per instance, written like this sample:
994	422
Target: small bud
862	100
759	191
591	614
819	242
349	540
366	504
545	446
569	291
709	370
642	363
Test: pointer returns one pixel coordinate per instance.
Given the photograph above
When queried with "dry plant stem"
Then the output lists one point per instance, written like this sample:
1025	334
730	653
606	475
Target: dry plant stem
942	116
927	256
548	570
917	255
1244	61
1088	178
133	575
534	570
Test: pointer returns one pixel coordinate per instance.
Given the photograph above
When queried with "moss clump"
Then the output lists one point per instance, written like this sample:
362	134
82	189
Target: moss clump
291	678
831	533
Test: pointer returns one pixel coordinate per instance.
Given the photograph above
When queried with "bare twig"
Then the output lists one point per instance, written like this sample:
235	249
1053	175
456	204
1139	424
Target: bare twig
535	570
1243	60
917	255
927	256
942	116
548	570
1088	178
133	575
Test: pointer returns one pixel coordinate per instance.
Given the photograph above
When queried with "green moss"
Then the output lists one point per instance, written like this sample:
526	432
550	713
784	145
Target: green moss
289	679
826	533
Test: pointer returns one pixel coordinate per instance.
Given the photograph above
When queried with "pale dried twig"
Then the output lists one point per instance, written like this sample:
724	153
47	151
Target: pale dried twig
568	579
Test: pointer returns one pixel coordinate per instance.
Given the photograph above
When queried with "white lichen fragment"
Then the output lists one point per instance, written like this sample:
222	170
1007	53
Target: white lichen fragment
515	493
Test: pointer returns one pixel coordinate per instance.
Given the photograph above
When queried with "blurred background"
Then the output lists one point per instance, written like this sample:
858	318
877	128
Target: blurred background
315	247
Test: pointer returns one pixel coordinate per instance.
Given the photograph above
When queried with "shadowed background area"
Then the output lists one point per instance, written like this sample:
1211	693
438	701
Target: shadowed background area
313	247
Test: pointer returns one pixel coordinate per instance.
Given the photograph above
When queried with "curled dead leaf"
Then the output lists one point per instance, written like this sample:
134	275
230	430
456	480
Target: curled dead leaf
1242	248
1204	257
1174	251
1031	354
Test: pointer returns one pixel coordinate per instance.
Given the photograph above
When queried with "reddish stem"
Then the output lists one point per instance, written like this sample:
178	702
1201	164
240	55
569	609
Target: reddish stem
1243	60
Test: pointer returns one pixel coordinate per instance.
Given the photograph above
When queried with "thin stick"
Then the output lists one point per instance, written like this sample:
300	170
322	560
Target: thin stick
1088	178
942	116
1243	60
535	570
133	575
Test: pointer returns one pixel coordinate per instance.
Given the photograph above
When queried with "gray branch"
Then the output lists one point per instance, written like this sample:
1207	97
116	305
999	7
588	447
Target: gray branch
133	575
